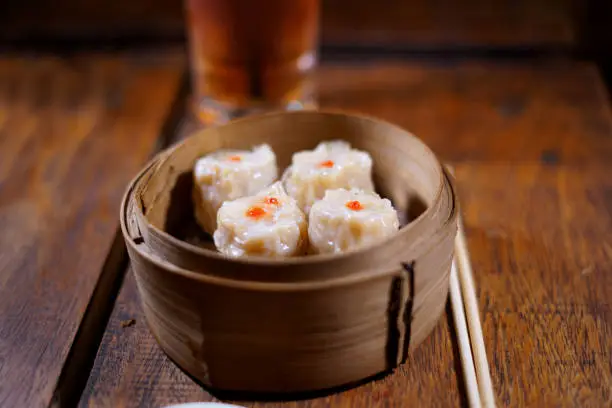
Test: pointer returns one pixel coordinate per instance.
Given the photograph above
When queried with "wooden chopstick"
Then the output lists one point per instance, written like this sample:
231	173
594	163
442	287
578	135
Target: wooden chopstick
466	279
473	318
467	361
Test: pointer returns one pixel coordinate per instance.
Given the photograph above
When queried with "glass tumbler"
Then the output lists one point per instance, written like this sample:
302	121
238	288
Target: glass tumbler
251	56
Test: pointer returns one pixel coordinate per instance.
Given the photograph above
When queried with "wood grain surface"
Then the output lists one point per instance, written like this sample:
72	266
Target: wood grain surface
530	146
447	24
554	112
65	127
390	23
541	249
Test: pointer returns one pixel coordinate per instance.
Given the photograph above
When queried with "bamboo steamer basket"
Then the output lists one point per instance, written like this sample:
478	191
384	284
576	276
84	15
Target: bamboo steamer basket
299	324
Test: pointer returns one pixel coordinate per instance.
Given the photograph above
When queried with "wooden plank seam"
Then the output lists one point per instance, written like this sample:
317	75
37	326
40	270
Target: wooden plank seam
80	360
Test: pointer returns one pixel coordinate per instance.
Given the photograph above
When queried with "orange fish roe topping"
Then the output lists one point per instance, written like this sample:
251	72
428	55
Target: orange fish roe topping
234	158
255	212
354	205
271	200
327	163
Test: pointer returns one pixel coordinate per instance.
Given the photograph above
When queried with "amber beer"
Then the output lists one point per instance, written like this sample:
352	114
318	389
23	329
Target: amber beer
251	55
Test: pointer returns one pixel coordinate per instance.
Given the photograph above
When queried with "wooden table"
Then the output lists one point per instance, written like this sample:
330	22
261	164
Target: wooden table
531	144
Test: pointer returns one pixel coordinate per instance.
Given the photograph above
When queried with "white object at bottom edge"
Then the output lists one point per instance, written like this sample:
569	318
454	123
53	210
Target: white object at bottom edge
204	405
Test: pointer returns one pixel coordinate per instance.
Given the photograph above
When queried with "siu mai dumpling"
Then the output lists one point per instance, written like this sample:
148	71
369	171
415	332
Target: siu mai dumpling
228	175
330	165
349	219
269	224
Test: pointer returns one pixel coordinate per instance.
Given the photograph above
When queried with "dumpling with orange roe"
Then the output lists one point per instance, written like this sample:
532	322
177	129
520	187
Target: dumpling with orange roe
347	219
331	165
268	224
228	175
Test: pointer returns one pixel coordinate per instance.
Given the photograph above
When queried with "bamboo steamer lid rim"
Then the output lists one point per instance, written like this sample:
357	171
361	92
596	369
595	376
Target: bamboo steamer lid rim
265	286
444	182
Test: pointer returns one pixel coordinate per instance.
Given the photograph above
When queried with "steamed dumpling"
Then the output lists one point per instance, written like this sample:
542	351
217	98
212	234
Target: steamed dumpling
349	219
269	224
228	175
330	165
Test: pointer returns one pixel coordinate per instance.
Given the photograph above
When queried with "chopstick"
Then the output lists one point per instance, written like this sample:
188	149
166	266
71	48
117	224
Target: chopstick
465	351
479	357
466	279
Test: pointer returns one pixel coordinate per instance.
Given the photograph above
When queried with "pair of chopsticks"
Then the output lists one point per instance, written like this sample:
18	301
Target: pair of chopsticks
471	343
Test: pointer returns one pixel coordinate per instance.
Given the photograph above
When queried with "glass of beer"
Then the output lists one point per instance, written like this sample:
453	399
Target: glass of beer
250	56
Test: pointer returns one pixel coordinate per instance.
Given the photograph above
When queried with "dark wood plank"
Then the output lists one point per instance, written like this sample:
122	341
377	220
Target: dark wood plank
128	355
555	112
91	19
447	23
72	133
533	179
415	24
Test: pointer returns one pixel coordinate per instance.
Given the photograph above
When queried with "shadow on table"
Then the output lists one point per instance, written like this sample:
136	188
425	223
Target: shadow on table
243	396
